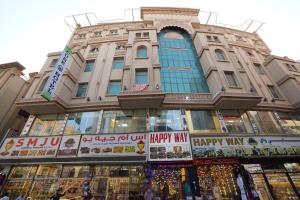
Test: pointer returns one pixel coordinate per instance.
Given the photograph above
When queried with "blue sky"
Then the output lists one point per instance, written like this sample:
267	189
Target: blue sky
31	29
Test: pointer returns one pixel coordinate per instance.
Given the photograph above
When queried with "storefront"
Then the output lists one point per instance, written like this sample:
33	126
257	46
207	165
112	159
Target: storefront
106	181
229	167
171	169
113	166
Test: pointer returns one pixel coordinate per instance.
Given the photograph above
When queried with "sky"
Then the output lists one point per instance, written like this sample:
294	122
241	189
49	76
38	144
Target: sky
31	29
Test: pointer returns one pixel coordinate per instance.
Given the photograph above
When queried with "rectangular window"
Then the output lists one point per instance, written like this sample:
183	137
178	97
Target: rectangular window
165	120
259	69
123	121
234	121
81	36
48	171
47	125
290	122
231	79
113	32
146	34
273	92
114	87
76	171
98	34
82	89
82	123
53	63
209	38
141	77
216	39
118	63
202	120
89	65
138	35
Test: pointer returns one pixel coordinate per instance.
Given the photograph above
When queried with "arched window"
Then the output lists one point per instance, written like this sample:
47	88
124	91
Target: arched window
141	52
43	84
220	55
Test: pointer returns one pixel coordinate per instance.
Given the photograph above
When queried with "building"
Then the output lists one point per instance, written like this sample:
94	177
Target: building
13	87
193	109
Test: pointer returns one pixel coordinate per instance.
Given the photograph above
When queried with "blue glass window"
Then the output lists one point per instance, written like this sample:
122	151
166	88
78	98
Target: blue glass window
141	52
118	63
181	71
89	66
220	55
141	77
114	87
82	88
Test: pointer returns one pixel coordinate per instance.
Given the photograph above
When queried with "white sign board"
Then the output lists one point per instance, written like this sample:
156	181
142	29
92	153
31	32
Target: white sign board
56	75
30	147
113	145
168	146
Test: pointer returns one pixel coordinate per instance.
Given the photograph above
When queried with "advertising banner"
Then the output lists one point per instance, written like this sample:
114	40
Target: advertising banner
56	75
245	146
113	145
30	147
169	146
68	146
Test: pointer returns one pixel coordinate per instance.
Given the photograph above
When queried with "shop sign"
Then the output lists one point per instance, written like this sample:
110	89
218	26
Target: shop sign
30	147
245	146
113	145
56	75
168	146
68	146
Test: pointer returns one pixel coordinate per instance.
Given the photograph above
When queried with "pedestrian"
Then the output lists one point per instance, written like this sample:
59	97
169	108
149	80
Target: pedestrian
21	197
148	195
5	196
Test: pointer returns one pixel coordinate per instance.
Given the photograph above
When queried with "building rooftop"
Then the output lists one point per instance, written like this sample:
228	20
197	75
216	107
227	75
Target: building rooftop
11	65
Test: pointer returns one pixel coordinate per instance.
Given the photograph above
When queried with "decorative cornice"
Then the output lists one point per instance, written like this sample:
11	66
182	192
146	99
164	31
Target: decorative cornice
168	11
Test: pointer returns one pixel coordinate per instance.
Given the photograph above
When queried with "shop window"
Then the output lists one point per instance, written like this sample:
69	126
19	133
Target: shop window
233	121
231	80
114	88
202	120
43	189
23	172
263	122
141	52
220	55
43	84
259	69
118	63
141	76
53	62
76	172
82	123
280	185
15	188
89	65
125	121
82	89
48	171
47	125
290	122
165	120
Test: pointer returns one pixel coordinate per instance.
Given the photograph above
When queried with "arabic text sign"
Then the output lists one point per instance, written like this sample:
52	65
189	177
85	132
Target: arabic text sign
68	145
56	75
245	146
29	147
167	146
113	145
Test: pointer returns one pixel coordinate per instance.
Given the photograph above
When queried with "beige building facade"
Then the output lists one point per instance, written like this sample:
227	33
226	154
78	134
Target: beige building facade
166	74
13	87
